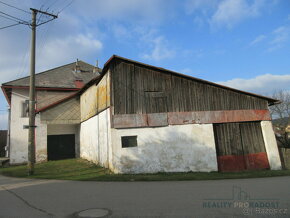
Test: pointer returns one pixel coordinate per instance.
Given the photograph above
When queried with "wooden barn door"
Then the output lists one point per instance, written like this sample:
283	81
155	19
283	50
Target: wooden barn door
240	146
253	145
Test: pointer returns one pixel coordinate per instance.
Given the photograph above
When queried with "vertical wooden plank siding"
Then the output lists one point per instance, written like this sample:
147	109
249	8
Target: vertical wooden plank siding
141	90
240	146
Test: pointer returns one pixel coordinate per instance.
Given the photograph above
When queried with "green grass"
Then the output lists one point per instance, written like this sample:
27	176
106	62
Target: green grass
78	169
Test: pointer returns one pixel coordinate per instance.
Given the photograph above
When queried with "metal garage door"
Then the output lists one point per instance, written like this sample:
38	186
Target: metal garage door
60	147
240	146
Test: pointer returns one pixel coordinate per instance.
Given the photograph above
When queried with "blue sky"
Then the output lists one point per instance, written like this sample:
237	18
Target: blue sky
244	44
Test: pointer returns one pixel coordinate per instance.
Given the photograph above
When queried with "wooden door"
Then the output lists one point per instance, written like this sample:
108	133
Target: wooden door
240	146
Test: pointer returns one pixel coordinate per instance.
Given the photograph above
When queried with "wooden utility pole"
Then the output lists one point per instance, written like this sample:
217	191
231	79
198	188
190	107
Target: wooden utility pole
31	134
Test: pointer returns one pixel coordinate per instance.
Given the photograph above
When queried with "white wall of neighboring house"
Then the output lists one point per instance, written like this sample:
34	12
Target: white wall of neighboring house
271	145
178	148
40	140
95	139
18	135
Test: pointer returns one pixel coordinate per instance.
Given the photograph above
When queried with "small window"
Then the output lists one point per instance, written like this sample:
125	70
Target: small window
129	141
25	107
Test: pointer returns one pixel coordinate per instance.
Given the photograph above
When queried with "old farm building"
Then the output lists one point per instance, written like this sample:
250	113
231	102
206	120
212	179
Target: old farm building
137	118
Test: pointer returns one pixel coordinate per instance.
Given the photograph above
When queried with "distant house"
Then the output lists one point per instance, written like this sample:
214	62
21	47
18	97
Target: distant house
57	132
138	118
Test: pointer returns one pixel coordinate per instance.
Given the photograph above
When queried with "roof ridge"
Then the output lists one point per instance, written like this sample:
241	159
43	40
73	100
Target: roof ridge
46	71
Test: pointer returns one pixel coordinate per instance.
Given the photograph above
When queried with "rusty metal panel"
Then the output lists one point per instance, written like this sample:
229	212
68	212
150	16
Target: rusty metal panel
157	119
179	118
130	120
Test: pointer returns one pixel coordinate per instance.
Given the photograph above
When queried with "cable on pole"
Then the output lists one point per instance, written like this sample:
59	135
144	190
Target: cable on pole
65	7
4	3
1	28
16	18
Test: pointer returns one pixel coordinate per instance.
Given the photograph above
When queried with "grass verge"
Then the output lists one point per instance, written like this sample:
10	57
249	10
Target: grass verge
78	169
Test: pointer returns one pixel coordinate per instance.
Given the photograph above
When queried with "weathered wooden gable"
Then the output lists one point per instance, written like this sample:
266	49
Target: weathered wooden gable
140	89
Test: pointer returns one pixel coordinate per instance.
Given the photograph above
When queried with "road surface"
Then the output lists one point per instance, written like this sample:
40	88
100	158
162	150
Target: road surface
262	197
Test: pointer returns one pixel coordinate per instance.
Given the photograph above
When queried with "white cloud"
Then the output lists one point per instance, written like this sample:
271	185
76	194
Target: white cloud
263	84
231	12
228	13
121	32
160	49
149	11
204	6
59	51
280	36
258	39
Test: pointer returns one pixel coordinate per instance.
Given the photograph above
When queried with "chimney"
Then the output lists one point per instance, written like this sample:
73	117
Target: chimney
96	68
77	67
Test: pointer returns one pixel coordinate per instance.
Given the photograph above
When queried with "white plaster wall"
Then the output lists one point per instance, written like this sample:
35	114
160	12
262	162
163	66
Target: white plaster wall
18	135
271	145
178	148
94	139
40	140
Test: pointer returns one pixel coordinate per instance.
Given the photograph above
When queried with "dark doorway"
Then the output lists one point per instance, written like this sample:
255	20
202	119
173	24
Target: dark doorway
60	147
240	146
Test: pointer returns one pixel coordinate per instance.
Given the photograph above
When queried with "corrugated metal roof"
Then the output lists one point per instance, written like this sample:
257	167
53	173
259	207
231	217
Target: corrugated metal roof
60	77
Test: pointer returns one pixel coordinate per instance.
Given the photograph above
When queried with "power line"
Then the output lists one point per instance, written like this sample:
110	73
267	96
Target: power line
14	7
43	39
66	6
52	4
8	18
44	22
24	61
1	28
16	18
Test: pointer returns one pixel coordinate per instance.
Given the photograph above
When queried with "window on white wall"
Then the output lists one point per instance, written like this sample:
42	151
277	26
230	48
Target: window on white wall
25	107
129	141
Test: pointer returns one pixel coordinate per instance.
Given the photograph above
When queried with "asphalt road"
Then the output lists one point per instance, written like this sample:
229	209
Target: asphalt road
263	197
